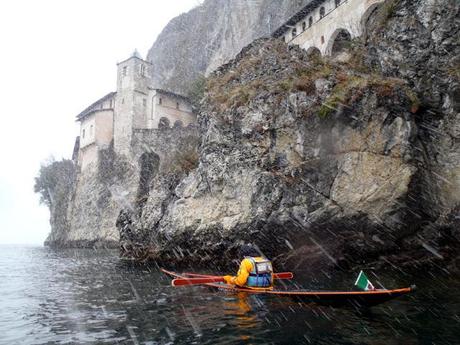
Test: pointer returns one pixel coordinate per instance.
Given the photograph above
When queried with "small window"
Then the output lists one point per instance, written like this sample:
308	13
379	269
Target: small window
122	101
304	26
322	12
337	3
160	101
125	71
111	103
322	39
294	32
83	134
310	22
143	70
144	102
91	131
177	105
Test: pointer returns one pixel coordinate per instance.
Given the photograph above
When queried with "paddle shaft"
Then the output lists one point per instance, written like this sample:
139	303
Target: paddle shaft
279	275
203	279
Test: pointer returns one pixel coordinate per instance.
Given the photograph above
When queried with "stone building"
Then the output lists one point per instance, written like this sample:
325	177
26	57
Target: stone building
96	129
325	26
134	106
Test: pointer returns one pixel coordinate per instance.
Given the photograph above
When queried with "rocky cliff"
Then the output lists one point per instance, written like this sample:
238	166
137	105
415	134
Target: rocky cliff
208	36
319	161
85	204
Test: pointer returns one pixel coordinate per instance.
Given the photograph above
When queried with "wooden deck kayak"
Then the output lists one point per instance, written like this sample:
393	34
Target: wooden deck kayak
356	298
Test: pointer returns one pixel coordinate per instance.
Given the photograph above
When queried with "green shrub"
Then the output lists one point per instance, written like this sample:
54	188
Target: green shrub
197	90
55	180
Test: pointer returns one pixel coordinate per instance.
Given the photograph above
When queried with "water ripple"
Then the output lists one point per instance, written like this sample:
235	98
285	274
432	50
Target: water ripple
89	297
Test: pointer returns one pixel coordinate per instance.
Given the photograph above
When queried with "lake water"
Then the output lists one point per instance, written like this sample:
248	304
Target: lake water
90	297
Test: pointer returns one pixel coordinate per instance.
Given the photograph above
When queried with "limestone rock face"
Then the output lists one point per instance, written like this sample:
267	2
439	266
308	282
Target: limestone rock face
85	213
197	42
322	163
419	41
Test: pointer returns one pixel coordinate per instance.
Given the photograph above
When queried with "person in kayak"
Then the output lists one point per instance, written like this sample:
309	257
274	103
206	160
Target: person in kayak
255	270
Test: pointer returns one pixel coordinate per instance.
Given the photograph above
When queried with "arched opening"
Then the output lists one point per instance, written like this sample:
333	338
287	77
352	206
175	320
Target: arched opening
178	124
339	43
304	26
367	17
310	22
313	53
164	123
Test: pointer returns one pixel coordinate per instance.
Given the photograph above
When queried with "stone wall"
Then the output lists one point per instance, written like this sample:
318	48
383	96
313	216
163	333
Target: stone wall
164	142
130	111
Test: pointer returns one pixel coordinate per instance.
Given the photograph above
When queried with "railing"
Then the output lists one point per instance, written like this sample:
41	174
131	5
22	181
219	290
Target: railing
321	18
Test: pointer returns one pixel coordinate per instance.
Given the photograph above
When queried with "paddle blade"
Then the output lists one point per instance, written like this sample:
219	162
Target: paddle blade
283	275
196	281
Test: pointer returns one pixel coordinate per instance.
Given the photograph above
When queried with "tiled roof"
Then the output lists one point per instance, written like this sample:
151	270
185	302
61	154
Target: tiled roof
172	94
92	107
312	5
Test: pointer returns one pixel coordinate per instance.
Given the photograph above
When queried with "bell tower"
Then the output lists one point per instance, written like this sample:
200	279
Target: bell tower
133	81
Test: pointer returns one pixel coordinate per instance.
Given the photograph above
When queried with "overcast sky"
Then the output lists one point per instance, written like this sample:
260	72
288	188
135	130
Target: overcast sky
57	57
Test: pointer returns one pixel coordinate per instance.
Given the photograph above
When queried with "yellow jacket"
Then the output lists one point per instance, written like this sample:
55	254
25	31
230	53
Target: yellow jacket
246	267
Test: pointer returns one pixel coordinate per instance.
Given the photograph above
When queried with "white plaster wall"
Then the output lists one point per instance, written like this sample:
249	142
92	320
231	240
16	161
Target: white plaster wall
104	128
88	156
89	136
168	108
324	30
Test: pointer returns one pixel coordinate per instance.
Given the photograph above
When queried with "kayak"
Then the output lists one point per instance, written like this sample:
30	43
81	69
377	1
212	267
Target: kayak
355	298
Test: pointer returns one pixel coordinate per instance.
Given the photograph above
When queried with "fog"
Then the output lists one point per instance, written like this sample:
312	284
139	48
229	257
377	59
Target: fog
57	58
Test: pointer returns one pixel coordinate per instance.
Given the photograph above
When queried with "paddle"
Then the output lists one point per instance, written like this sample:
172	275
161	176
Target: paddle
217	279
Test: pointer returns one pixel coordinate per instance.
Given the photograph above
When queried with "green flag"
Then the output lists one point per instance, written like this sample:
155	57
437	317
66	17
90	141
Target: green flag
363	283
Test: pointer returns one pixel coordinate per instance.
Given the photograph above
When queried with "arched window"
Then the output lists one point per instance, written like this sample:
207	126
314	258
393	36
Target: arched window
337	3
313	52
304	26
294	32
163	123
177	105
178	124
160	101
322	12
310	22
91	131
83	134
143	70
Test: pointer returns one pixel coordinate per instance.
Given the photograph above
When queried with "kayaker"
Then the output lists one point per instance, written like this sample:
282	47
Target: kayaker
255	270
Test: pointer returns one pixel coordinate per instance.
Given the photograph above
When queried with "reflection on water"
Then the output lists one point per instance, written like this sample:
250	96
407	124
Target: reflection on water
90	297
